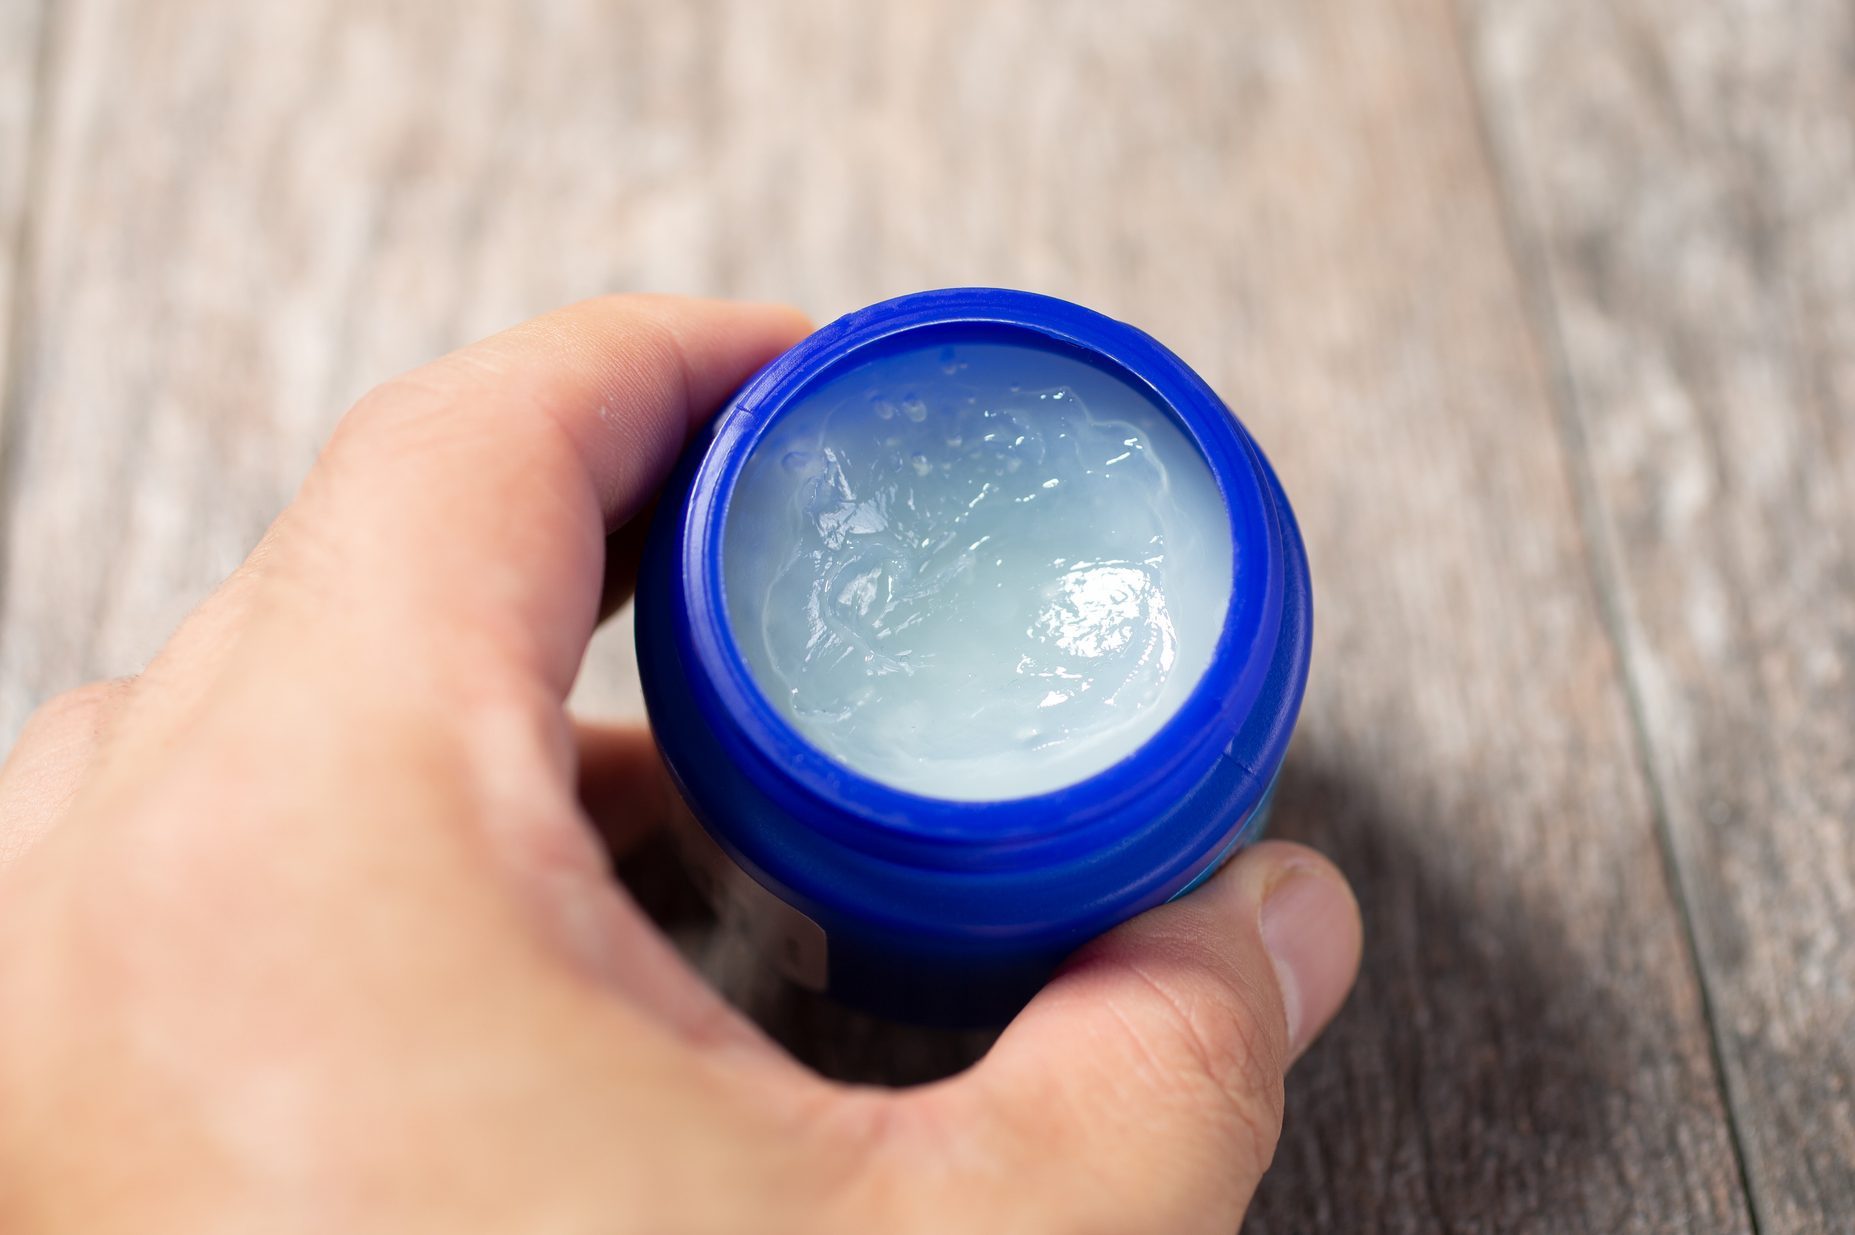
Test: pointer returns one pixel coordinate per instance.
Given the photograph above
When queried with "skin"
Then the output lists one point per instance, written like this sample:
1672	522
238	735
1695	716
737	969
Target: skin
311	927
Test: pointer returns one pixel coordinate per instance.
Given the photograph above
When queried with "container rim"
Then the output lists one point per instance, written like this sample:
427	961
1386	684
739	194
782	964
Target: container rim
865	812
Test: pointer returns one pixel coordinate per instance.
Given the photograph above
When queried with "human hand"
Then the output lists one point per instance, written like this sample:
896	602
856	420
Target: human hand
308	926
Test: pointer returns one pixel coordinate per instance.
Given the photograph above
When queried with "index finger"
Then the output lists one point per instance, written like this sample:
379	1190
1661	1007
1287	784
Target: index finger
457	520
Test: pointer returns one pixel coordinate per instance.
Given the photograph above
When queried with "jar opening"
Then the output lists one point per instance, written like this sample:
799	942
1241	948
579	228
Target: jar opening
974	564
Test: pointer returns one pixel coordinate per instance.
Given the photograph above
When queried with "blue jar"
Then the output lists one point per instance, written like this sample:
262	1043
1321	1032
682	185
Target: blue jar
940	911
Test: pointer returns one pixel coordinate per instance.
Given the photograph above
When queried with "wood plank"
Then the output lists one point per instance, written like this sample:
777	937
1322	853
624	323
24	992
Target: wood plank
1692	192
253	212
21	63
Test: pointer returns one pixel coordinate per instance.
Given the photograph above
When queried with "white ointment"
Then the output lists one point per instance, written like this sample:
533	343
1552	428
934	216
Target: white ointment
977	572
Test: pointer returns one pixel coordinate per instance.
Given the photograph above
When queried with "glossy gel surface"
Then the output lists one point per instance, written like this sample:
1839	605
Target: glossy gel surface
979	571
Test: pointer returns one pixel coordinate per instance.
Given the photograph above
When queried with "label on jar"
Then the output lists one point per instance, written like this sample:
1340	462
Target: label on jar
793	943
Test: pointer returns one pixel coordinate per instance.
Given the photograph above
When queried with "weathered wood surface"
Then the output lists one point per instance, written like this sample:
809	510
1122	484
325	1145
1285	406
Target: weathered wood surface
243	215
21	24
1690	210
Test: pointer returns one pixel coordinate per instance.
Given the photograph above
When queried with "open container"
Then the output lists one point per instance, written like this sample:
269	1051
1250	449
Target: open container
942	910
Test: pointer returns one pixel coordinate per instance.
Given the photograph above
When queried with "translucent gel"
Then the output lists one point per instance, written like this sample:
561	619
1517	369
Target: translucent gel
976	572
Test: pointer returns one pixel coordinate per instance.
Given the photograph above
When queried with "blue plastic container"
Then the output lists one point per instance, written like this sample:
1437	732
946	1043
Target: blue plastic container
944	912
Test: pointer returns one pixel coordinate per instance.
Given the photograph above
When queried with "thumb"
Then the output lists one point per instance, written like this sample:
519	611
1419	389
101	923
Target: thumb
1142	1089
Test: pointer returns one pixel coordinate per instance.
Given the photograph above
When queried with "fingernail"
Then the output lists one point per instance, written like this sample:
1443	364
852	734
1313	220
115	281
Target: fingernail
1311	928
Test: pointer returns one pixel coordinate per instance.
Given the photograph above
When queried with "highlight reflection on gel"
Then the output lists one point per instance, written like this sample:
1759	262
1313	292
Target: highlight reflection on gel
976	571
974	625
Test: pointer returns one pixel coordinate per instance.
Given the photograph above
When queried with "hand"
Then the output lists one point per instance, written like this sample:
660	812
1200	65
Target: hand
308	928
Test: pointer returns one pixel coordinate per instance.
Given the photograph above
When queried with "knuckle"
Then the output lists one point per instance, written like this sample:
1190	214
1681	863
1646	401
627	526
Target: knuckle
1222	1059
74	714
390	417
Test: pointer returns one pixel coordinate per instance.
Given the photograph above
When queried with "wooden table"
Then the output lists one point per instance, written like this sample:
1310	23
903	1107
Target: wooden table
1545	310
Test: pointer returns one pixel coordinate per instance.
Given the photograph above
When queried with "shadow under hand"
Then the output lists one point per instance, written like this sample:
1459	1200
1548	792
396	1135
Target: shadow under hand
1468	1083
1475	1077
833	1040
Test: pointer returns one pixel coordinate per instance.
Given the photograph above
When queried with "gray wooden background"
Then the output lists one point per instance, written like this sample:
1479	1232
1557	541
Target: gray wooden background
1545	310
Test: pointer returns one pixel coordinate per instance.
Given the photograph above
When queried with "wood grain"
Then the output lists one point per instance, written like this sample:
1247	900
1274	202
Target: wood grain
248	214
1694	208
21	61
